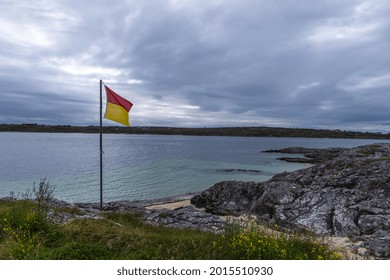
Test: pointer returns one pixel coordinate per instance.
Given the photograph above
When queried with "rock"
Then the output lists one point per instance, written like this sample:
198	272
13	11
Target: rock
378	244
186	217
183	217
311	155
238	170
346	194
369	224
296	159
227	198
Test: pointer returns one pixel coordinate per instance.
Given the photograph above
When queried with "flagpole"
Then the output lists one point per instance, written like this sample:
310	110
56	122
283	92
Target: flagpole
101	148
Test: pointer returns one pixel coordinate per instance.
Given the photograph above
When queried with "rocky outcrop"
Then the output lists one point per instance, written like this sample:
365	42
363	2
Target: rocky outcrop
185	217
228	198
347	193
181	217
247	171
311	155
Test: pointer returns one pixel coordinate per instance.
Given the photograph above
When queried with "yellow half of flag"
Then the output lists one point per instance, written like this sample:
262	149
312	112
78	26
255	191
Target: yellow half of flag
117	113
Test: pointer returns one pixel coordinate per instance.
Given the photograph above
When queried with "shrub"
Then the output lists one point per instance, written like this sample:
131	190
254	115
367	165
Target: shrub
43	195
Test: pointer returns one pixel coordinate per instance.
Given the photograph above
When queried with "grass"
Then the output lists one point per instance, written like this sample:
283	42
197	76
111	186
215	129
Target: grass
253	241
24	234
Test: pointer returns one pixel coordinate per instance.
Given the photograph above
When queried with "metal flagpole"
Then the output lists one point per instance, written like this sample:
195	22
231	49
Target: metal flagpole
101	148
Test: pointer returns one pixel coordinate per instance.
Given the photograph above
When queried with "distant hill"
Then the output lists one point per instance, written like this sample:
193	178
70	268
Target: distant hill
206	131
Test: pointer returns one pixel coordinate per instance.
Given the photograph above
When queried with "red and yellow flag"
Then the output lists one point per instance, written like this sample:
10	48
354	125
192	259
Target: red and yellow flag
117	108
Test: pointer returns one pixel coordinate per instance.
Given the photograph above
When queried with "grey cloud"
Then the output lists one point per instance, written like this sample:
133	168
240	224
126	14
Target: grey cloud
284	62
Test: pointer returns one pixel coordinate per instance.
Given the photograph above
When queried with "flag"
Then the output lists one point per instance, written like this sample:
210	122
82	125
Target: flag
117	108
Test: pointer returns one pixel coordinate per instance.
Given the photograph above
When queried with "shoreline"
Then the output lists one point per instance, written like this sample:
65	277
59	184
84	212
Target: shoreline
337	198
181	205
252	131
156	203
154	211
170	205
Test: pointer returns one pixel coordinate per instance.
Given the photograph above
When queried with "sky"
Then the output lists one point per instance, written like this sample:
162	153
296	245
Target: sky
321	64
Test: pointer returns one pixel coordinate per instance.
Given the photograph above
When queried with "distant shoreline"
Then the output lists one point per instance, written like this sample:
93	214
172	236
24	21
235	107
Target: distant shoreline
260	131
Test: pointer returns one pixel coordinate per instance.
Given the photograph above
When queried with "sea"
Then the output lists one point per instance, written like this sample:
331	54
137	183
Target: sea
139	167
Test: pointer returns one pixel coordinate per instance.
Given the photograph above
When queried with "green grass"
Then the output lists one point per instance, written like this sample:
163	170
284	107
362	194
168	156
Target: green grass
253	241
374	160
25	235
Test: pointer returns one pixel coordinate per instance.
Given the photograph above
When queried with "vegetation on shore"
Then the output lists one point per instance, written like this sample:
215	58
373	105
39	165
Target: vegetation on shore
27	232
206	131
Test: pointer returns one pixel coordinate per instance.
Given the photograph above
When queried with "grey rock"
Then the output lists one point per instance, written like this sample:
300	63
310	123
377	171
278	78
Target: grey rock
378	244
347	193
227	198
186	217
311	155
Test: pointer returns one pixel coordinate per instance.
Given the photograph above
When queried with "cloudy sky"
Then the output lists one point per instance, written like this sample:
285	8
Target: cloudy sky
289	63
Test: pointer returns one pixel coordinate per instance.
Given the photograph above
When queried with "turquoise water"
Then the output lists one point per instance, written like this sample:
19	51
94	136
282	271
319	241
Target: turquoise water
141	166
